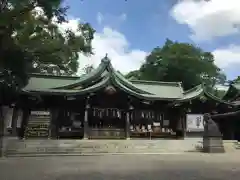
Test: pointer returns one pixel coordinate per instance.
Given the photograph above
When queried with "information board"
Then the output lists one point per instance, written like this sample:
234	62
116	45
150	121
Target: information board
195	123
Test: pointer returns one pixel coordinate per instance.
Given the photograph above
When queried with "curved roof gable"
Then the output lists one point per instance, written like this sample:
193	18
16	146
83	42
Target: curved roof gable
104	75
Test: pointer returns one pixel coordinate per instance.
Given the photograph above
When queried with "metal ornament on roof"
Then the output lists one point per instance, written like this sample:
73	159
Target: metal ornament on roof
110	90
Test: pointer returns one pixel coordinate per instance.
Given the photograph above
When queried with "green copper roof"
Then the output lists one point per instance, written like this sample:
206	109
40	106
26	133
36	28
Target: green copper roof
71	92
191	94
48	81
199	91
233	92
106	75
165	89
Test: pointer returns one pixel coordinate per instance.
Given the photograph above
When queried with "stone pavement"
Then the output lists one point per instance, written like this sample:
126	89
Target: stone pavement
192	166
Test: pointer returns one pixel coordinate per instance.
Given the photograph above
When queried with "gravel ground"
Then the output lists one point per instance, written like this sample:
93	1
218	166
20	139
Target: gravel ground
123	167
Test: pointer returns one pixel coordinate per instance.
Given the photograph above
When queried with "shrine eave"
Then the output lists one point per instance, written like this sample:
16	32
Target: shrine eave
233	92
199	91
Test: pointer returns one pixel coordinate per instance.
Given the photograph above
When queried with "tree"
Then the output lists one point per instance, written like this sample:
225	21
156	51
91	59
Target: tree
180	62
88	68
32	42
237	80
53	50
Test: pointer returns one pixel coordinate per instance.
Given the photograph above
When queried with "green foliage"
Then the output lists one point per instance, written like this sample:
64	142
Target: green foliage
32	42
180	62
88	68
237	80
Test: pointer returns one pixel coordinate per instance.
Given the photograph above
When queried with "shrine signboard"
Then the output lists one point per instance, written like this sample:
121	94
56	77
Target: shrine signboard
195	123
38	125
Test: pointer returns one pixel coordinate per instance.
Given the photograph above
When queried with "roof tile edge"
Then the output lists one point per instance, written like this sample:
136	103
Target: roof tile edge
157	82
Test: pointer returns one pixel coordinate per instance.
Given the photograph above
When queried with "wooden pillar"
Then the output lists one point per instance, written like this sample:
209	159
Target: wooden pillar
183	119
7	118
14	121
1	131
53	125
86	126
231	129
25	118
127	123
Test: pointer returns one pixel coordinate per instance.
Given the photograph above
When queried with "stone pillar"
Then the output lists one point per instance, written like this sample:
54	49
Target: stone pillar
127	123
14	121
86	126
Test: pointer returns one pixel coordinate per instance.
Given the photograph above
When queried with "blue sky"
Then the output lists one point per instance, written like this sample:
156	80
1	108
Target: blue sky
146	24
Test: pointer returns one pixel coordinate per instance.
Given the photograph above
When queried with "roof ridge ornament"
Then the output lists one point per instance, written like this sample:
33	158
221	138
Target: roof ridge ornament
106	59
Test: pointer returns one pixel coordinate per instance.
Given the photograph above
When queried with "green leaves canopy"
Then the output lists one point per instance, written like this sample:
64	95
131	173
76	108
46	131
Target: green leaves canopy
179	62
30	41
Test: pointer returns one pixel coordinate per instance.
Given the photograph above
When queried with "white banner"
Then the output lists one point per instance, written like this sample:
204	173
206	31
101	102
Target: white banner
195	123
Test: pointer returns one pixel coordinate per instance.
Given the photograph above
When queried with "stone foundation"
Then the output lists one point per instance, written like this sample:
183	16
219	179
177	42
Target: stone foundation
213	145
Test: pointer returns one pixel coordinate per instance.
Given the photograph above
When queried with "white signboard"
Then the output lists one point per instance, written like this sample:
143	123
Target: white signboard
195	123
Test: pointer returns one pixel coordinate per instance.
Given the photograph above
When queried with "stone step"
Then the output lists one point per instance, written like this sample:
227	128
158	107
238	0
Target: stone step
38	122
237	145
39	147
230	145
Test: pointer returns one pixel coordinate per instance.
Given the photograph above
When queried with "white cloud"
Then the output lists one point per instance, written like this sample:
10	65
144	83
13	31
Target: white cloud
108	41
123	17
227	57
208	19
116	46
110	19
211	19
71	24
113	43
99	18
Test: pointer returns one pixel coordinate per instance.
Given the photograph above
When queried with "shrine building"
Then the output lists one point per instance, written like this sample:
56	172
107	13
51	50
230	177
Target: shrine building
103	104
